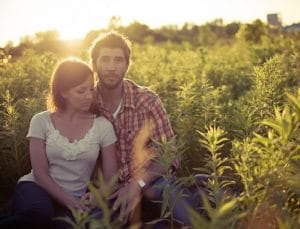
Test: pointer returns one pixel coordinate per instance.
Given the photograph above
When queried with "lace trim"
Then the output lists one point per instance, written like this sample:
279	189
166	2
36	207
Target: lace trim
70	149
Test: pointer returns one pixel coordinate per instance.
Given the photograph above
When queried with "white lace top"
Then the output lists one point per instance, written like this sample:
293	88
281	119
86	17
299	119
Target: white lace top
70	163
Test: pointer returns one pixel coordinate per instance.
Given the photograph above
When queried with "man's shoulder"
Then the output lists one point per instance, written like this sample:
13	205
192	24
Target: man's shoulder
142	94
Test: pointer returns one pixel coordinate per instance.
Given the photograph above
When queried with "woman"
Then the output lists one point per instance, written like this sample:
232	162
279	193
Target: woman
64	145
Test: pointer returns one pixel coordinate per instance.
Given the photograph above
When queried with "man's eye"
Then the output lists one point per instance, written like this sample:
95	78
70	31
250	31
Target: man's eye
120	59
104	59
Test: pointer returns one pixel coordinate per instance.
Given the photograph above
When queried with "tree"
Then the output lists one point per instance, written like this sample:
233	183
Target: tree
253	32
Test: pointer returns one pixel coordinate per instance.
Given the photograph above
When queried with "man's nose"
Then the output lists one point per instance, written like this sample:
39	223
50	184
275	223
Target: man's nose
111	65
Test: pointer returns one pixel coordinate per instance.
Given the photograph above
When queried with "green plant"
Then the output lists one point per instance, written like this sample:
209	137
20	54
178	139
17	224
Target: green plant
221	209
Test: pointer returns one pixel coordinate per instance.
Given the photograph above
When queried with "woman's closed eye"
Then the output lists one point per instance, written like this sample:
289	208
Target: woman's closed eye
81	91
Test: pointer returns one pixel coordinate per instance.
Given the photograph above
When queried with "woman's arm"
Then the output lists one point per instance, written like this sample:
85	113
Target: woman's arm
40	169
109	164
109	170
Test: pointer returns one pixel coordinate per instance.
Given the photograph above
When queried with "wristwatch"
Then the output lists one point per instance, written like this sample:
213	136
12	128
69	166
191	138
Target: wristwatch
141	183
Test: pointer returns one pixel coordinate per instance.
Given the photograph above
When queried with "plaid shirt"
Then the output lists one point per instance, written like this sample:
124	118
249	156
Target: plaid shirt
139	104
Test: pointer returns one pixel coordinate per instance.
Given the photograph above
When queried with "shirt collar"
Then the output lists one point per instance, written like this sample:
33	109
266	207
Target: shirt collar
128	95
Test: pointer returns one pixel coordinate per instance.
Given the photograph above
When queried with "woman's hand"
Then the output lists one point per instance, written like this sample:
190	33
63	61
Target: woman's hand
89	200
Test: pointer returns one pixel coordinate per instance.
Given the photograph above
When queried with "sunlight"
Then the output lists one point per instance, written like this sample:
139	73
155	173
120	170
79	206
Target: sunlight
74	19
72	32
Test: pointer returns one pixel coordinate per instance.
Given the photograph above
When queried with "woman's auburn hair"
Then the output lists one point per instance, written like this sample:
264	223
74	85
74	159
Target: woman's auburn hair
68	73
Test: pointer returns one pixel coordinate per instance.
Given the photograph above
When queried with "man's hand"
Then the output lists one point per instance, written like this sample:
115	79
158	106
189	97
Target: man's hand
77	204
176	163
127	198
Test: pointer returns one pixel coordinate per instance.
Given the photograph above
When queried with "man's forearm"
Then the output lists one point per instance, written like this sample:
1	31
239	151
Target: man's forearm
153	171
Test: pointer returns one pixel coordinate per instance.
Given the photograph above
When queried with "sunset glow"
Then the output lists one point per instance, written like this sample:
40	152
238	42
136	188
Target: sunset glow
74	19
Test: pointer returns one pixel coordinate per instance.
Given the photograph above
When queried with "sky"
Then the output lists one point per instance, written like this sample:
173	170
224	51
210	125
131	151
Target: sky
73	19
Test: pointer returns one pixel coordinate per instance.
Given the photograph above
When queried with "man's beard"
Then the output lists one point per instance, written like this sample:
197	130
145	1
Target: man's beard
108	85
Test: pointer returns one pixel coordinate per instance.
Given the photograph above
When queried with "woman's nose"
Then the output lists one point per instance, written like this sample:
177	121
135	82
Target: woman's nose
89	95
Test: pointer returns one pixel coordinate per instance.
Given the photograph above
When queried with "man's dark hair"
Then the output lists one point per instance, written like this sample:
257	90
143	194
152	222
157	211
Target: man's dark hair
111	40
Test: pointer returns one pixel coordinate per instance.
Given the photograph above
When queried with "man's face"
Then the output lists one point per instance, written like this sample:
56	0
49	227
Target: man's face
111	67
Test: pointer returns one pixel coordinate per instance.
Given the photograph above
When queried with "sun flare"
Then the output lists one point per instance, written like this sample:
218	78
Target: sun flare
74	19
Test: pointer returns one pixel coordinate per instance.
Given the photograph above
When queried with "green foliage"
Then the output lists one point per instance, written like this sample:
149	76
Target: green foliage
23	86
221	209
14	148
229	68
253	32
216	164
168	151
269	82
269	166
101	192
224	216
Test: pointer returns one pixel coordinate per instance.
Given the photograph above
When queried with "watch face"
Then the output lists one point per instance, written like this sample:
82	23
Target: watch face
141	183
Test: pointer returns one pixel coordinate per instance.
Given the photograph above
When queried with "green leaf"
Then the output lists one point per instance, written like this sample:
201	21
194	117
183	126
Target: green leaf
226	208
165	203
197	220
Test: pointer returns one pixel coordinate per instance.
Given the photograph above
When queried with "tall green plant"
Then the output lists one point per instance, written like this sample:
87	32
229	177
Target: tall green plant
269	168
221	208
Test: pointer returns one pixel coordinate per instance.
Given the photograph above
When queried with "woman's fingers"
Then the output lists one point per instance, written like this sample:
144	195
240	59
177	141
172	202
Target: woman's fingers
83	208
86	197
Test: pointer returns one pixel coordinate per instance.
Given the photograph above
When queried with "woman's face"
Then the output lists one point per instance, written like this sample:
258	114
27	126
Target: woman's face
80	97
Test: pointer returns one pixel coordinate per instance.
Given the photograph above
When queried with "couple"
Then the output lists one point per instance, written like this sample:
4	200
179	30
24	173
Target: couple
81	121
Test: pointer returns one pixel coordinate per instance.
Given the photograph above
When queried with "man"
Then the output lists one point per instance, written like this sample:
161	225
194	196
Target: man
130	107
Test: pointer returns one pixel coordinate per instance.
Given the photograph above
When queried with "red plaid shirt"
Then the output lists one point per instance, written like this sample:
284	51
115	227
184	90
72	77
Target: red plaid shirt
139	104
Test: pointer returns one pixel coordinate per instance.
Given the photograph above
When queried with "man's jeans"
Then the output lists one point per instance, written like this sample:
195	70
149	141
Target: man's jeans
181	205
34	208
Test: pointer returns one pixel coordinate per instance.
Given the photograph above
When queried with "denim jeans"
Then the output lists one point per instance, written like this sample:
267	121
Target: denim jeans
32	207
181	205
